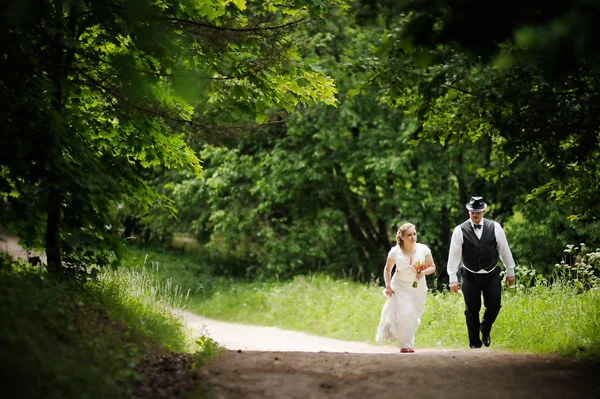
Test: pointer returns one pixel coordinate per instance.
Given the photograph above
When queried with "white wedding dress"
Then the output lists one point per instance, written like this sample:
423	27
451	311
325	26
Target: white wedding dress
401	313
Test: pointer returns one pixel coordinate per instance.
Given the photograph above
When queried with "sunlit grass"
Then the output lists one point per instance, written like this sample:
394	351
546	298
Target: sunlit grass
138	298
316	304
543	320
187	271
551	319
548	318
144	294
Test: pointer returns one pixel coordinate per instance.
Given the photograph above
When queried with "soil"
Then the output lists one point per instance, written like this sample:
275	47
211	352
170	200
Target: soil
10	245
267	362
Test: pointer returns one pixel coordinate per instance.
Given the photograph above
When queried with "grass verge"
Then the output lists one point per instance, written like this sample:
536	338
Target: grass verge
68	339
545	319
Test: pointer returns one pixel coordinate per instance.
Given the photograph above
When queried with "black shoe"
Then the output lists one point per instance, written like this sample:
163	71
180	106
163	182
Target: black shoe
475	346
487	340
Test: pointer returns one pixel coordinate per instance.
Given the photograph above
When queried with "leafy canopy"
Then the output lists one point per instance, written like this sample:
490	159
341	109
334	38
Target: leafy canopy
526	78
94	92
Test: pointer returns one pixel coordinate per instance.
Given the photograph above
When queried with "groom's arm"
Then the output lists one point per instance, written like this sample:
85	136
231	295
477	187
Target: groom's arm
505	253
454	257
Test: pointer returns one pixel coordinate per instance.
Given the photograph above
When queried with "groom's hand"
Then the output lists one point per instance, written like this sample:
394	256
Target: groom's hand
454	287
510	280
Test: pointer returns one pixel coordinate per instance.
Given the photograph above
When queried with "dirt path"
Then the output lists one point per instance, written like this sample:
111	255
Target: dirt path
266	362
271	339
10	245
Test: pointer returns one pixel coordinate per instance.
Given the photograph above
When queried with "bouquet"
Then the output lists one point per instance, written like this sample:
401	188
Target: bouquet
419	266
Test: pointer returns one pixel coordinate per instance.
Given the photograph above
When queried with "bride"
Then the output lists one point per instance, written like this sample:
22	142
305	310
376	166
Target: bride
401	313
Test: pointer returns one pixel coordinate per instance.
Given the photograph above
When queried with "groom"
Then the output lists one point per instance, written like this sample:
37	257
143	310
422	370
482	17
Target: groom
478	243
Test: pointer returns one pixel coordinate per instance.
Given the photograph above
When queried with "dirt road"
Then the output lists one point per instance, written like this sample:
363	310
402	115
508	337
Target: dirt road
10	245
266	362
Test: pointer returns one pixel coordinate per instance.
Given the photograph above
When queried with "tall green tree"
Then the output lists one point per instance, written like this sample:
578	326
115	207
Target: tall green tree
327	191
527	79
93	92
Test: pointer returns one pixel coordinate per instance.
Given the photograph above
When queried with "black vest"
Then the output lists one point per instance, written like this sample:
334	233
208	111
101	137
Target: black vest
479	253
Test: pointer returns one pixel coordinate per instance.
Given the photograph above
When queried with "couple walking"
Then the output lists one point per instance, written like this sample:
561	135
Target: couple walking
477	243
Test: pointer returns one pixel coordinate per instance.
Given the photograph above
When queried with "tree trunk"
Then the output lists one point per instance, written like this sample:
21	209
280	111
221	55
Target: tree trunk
444	246
53	252
61	61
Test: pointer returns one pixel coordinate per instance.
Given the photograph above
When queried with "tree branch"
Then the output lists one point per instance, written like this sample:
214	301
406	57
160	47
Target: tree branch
165	75
225	28
112	94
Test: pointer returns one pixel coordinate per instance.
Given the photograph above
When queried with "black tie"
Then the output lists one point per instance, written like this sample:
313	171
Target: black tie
477	226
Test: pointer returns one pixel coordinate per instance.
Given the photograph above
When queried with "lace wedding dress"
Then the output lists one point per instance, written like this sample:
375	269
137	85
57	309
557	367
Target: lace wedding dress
401	313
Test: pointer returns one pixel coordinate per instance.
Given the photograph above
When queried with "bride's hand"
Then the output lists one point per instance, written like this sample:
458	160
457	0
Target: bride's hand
389	291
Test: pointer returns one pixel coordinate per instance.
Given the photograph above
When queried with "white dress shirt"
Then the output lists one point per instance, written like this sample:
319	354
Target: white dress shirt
455	255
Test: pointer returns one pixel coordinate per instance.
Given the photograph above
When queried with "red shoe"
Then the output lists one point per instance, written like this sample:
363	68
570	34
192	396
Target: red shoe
407	350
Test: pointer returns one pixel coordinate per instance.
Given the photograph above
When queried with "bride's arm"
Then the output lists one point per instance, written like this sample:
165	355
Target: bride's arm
430	265
387	275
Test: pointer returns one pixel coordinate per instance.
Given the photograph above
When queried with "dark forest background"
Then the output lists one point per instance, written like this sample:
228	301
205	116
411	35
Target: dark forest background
289	138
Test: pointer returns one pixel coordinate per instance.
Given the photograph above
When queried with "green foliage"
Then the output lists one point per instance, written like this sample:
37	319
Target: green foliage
539	230
95	92
525	80
198	273
326	192
63	339
580	268
414	135
209	349
138	299
52	319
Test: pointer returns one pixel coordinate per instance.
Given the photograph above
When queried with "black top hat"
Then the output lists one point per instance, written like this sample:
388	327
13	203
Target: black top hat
476	204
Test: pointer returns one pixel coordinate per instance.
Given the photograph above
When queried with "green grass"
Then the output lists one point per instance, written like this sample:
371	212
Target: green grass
552	319
186	270
544	319
65	339
136	299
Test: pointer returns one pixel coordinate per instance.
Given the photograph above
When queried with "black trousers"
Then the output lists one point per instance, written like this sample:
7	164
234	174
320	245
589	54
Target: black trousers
473	286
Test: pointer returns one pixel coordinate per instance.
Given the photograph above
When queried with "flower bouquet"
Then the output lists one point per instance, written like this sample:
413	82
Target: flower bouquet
419	267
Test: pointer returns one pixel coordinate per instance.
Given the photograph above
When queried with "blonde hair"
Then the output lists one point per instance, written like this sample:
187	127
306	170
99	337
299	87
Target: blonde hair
401	230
